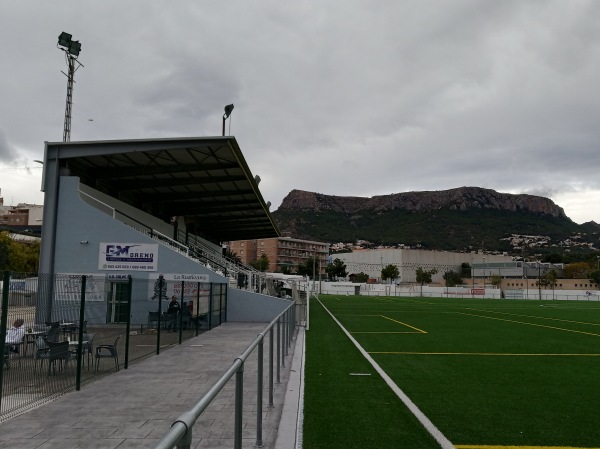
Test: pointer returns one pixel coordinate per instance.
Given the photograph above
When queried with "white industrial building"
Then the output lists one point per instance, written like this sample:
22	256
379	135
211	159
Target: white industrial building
372	261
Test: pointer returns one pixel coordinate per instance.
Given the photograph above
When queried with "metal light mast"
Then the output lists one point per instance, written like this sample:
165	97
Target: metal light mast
71	49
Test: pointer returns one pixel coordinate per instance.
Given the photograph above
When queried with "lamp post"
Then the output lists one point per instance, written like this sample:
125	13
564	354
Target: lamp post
228	110
540	280
71	49
484	276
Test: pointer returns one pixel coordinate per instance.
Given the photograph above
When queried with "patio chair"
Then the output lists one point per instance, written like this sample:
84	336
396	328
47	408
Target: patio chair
107	351
54	331
58	352
152	320
40	352
88	346
186	320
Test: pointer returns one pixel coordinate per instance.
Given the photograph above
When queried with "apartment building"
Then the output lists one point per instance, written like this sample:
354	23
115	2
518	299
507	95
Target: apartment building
281	252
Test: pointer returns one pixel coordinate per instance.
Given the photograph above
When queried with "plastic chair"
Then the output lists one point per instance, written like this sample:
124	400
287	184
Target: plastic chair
40	352
58	352
108	351
87	347
152	319
53	332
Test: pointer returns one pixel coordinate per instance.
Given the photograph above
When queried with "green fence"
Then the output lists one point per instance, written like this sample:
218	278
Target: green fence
57	332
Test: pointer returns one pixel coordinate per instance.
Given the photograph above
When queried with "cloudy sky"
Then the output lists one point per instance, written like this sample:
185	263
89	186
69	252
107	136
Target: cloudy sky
341	97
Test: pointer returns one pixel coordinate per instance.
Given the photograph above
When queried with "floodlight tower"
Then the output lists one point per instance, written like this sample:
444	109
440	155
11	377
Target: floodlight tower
71	49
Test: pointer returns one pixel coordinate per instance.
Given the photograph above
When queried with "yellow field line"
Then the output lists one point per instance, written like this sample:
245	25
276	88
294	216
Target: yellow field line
484	446
485	354
529	324
404	324
535	316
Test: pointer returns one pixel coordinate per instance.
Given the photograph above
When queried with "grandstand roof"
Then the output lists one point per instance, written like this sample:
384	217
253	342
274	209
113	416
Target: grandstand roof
206	180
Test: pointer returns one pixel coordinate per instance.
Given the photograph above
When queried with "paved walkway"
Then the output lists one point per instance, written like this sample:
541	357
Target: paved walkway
134	408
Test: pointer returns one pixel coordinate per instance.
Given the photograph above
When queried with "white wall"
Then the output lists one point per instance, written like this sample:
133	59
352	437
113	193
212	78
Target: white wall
253	307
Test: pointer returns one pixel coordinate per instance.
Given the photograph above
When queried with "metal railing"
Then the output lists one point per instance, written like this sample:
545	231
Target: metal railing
180	433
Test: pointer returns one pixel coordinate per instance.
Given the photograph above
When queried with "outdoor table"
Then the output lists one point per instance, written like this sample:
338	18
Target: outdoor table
29	339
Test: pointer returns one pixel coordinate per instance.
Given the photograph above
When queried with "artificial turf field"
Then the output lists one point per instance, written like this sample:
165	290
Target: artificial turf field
486	373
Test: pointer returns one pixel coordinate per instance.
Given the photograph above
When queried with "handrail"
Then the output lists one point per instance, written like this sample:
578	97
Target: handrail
180	433
208	254
108	206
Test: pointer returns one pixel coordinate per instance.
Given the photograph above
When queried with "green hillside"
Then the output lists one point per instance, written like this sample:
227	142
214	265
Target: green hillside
442	229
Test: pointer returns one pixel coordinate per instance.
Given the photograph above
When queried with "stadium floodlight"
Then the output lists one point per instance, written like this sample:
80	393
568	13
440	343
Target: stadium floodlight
228	110
72	49
64	40
75	48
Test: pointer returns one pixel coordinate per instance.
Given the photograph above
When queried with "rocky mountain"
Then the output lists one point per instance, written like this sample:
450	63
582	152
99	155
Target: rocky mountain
463	198
458	219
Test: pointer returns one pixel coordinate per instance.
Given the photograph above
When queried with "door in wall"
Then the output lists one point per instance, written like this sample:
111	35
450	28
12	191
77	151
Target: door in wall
117	303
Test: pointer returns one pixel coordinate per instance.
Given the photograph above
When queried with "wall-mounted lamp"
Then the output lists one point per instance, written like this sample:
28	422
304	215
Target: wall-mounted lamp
84	242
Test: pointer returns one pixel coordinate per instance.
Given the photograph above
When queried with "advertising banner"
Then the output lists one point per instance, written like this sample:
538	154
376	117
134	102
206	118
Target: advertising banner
190	286
68	287
128	256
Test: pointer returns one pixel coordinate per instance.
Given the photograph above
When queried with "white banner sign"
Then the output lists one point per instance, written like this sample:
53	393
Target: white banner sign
186	277
68	287
128	256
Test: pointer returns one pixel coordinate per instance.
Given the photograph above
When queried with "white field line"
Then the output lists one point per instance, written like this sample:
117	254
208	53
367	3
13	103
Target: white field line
429	426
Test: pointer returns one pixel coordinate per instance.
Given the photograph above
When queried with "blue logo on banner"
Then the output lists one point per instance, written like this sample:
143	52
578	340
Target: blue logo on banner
118	253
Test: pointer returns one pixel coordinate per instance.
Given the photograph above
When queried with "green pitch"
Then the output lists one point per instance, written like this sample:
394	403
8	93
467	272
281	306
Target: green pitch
487	373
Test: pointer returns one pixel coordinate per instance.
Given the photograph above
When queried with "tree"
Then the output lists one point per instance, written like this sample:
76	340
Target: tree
424	276
232	255
549	279
19	256
5	244
336	269
577	270
553	258
262	263
452	278
25	256
595	277
390	272
307	268
496	280
465	270
361	278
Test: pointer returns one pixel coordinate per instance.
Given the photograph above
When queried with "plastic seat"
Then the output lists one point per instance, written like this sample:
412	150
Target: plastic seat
58	352
87	347
152	319
53	333
107	351
41	351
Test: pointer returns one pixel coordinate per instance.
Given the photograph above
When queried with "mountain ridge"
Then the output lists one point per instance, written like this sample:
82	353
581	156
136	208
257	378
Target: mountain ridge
461	219
461	198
